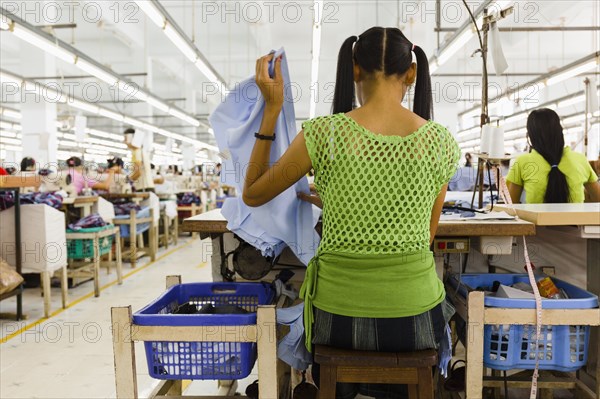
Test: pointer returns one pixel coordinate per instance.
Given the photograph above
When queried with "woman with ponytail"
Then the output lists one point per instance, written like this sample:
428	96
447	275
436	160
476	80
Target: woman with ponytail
381	172
551	172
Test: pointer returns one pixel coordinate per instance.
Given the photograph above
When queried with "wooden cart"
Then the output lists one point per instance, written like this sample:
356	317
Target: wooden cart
125	333
91	269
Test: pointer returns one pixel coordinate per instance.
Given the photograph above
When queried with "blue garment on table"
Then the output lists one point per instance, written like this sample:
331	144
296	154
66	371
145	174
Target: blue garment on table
463	179
285	220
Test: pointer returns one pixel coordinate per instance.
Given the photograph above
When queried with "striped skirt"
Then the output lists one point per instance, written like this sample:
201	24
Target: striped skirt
402	334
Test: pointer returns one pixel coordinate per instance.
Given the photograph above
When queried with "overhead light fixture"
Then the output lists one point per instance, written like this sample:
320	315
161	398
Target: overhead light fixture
111	114
316	52
152	13
9	113
34	39
571	101
84	106
156	103
38	88
572	72
456	45
463	35
180	42
4	23
532	89
178	114
65	52
161	18
101	74
575	118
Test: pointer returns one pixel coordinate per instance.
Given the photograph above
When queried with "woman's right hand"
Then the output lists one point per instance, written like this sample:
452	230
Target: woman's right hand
312	198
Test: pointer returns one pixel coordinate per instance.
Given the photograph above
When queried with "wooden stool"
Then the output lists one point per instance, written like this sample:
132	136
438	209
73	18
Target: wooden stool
411	368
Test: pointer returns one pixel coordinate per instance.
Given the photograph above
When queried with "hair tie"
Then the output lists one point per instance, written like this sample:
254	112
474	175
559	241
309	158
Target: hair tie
413	47
554	166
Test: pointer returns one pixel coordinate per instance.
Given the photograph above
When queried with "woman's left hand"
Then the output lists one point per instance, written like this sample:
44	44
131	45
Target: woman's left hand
270	87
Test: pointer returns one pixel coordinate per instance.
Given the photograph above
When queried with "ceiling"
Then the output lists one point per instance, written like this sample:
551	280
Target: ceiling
231	36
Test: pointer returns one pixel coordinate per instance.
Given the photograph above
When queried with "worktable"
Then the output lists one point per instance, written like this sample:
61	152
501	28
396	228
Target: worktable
84	204
132	197
584	221
212	224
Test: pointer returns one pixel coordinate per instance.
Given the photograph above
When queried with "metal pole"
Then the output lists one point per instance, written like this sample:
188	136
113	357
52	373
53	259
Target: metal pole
587	104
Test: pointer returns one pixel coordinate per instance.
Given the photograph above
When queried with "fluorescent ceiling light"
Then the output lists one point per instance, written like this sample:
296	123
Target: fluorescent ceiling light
10	78
5	133
206	71
571	101
516	118
180	42
152	13
52	95
433	66
156	103
46	45
48	93
141	95
178	114
5	22
84	106
99	73
456	45
574	119
110	114
9	113
572	72
6	140
188	49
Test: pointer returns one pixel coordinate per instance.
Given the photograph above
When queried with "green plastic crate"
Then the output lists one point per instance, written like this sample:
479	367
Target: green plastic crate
84	249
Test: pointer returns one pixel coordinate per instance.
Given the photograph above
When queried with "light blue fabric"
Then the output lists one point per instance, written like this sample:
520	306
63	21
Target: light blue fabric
463	179
445	351
285	220
291	349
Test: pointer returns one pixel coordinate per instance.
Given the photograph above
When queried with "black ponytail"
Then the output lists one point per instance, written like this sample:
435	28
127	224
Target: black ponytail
423	103
386	50
343	98
546	136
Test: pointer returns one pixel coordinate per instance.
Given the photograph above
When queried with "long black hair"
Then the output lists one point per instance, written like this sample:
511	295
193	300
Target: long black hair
545	135
386	50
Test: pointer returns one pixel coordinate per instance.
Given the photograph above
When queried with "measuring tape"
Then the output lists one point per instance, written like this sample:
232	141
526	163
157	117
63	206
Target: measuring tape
538	298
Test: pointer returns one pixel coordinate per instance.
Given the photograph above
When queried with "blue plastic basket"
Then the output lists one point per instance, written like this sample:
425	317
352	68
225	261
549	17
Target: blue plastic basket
561	348
203	360
140	228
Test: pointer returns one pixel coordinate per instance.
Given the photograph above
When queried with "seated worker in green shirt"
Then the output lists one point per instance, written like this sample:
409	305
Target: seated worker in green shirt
551	172
381	172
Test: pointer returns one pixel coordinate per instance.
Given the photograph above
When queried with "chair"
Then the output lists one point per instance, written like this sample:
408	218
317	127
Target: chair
353	366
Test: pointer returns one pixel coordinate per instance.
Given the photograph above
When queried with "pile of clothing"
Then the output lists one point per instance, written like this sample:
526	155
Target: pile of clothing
7	200
93	220
126	208
188	199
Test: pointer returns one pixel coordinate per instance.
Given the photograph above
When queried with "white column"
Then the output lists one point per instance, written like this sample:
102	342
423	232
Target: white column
39	116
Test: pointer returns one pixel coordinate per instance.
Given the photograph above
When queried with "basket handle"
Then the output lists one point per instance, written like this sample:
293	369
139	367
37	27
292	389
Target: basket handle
224	288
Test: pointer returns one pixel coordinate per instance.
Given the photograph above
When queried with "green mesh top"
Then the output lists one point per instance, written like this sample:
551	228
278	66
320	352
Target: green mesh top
378	192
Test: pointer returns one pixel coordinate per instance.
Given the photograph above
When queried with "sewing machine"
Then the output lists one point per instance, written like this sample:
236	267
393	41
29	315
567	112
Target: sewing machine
58	181
120	186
